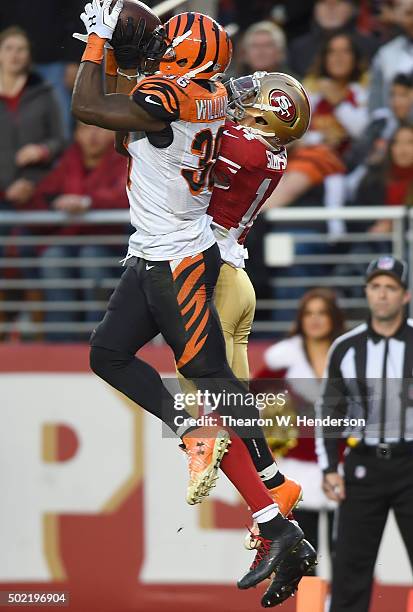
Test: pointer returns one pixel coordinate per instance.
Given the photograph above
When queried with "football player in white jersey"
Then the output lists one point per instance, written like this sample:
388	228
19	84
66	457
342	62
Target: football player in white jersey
173	260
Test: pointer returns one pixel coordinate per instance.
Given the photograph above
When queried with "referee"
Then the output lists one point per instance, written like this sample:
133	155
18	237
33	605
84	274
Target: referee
369	379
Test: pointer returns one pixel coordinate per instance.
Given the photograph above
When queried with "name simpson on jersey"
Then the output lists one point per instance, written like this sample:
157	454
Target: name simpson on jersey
207	110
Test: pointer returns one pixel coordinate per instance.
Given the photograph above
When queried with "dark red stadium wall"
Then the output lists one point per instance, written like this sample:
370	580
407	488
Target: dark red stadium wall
75	357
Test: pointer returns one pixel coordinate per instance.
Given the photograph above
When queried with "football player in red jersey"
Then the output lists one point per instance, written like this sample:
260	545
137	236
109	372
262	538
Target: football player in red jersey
266	111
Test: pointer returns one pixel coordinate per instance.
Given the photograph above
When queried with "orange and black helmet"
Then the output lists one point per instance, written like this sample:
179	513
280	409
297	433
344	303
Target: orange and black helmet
198	47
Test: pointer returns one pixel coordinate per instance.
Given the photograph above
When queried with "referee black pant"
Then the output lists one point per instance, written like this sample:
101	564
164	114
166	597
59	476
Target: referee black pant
373	487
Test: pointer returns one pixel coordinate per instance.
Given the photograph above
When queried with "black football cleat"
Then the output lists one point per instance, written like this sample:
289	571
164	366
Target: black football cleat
271	553
289	574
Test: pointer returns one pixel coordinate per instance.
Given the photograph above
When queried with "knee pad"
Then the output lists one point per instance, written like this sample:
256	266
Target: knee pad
98	359
196	369
103	361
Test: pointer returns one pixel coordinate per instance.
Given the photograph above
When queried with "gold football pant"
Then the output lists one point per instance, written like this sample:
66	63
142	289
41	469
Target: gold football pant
235	301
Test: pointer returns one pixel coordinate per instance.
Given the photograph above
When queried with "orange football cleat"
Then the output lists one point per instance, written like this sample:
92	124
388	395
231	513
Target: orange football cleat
287	496
205	448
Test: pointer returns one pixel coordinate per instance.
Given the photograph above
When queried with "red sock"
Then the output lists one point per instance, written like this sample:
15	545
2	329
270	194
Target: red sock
237	465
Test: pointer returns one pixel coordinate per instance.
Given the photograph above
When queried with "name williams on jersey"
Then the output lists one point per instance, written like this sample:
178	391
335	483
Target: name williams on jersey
210	109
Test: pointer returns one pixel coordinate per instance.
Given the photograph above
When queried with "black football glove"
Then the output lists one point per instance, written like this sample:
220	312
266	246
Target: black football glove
127	42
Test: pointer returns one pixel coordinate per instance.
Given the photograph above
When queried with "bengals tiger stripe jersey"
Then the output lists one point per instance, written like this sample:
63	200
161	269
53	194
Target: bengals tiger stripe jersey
246	173
169	184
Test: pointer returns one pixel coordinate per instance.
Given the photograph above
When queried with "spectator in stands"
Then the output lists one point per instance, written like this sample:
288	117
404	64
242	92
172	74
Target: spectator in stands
308	169
330	17
391	181
384	19
388	182
49	25
314	177
252	13
301	360
293	16
90	176
393	58
30	125
373	144
338	93
263	47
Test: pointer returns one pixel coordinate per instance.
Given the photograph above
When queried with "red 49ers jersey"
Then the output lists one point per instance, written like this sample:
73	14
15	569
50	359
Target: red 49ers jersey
246	173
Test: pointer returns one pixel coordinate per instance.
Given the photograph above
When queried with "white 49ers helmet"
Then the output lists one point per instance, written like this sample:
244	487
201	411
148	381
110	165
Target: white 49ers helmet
278	103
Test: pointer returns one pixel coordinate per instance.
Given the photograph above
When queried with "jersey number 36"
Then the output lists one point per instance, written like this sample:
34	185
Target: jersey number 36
206	147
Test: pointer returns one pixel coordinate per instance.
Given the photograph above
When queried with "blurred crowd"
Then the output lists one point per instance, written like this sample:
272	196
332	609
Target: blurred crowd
355	59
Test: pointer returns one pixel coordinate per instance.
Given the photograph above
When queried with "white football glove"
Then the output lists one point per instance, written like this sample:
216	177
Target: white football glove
99	19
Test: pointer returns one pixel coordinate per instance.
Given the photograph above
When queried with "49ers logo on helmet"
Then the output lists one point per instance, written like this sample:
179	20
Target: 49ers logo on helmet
283	105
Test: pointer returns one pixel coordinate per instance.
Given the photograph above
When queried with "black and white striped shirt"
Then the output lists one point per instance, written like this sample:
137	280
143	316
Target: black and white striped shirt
369	377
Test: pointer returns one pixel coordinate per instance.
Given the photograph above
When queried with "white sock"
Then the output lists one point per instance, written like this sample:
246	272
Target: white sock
269	472
266	514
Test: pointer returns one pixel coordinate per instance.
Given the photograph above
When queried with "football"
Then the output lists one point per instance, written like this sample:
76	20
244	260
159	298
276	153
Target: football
136	10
